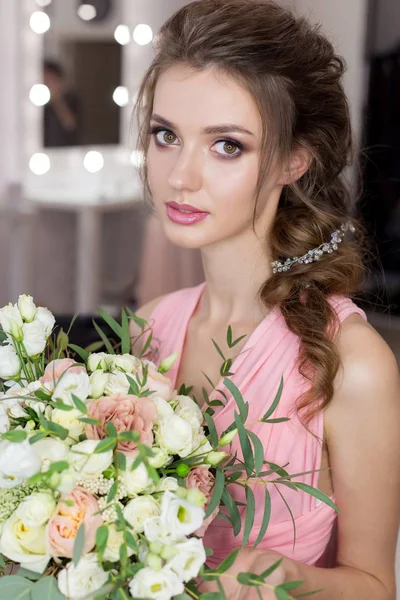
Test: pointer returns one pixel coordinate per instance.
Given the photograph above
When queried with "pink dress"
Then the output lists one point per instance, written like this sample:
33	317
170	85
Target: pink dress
269	354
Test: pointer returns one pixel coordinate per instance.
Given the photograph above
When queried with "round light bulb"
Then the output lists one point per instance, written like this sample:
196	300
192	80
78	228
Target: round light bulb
87	12
137	158
39	94
122	35
121	95
39	22
39	163
93	161
142	34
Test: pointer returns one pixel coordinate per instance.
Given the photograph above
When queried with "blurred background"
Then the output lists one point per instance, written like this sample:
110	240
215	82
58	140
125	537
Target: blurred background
74	229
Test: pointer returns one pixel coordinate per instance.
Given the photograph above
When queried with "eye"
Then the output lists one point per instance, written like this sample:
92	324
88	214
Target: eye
229	148
164	137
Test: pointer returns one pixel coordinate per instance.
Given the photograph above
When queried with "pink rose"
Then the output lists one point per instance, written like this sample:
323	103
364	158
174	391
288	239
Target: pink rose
204	480
127	413
159	383
57	367
64	524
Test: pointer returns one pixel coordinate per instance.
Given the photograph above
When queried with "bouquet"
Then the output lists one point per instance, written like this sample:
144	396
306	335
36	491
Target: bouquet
109	477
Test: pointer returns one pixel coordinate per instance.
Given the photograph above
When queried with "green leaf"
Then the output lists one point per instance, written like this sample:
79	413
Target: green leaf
230	504
111	322
211	429
81	406
250	512
110	429
141	323
79	351
113	491
120	461
229	337
42	396
317	494
147	344
57	430
217	492
209	380
288	586
275	402
278	420
26	574
133	386
129	436
271	569
258	451
212	596
61	406
183	597
228	561
94	347
130	540
78	545
103	336
15	435
282	594
101	538
266	517
245	445
307	594
125	334
105	445
290	513
239	339
58	467
241	404
15	588
46	589
218	349
248	579
89	421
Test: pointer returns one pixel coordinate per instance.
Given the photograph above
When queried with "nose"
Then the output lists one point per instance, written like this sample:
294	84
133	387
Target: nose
186	173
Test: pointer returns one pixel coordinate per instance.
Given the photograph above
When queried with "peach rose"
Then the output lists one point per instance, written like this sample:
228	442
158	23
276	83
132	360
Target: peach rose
204	480
127	413
64	524
158	383
57	367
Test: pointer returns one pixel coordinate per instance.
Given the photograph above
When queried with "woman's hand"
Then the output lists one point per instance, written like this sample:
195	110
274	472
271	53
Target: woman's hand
249	560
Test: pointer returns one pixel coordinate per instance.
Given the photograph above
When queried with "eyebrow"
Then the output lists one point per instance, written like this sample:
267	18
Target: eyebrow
220	129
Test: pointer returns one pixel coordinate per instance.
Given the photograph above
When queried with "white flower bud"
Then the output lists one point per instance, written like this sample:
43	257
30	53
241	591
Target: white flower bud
9	362
99	360
27	308
98	382
214	458
11	321
46	318
168	362
228	437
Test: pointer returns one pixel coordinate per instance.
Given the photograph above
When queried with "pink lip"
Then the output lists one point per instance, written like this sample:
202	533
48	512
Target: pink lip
184	214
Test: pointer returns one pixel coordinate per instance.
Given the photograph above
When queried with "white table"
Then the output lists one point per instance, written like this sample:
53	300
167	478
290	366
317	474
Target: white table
89	215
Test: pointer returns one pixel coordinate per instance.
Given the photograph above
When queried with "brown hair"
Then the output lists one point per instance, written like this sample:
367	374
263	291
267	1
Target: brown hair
294	76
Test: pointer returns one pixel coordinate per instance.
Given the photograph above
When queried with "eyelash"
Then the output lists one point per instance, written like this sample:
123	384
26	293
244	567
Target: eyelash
155	130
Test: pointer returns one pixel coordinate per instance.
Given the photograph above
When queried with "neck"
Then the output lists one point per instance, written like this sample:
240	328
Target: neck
235	270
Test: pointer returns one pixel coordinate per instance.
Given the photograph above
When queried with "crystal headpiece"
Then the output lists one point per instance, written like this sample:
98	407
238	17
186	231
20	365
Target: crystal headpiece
315	254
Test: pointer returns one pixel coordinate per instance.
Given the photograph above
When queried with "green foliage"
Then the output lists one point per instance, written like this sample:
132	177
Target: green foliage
79	543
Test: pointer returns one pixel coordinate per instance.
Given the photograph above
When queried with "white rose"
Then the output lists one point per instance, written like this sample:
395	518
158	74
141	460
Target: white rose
46	318
9	362
84	579
157	585
160	458
69	419
18	461
13	405
136	481
83	460
117	384
175	435
114	542
72	383
27	308
99	359
24	544
11	321
167	484
124	362
35	339
50	450
164	409
36	509
138	510
189	560
4	420
40	407
179	516
98	382
185	405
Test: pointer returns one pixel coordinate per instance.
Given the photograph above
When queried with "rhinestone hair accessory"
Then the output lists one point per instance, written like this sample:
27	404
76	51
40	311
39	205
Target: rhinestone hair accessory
316	253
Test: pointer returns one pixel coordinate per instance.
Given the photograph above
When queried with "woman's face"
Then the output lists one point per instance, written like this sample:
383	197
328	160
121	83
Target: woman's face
203	158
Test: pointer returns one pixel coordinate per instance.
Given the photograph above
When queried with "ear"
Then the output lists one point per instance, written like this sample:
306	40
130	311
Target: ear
299	163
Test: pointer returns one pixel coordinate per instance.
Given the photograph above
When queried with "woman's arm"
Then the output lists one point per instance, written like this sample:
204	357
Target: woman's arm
363	435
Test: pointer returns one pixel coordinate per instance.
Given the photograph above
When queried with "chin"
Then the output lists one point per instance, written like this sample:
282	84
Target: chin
187	236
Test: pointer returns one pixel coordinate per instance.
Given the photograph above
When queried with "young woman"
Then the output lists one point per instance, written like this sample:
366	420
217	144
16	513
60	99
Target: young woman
246	132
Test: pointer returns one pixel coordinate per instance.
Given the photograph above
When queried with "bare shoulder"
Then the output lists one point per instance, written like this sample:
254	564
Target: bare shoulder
144	312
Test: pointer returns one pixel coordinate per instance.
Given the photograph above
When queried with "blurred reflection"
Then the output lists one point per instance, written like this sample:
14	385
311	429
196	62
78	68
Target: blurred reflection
61	113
